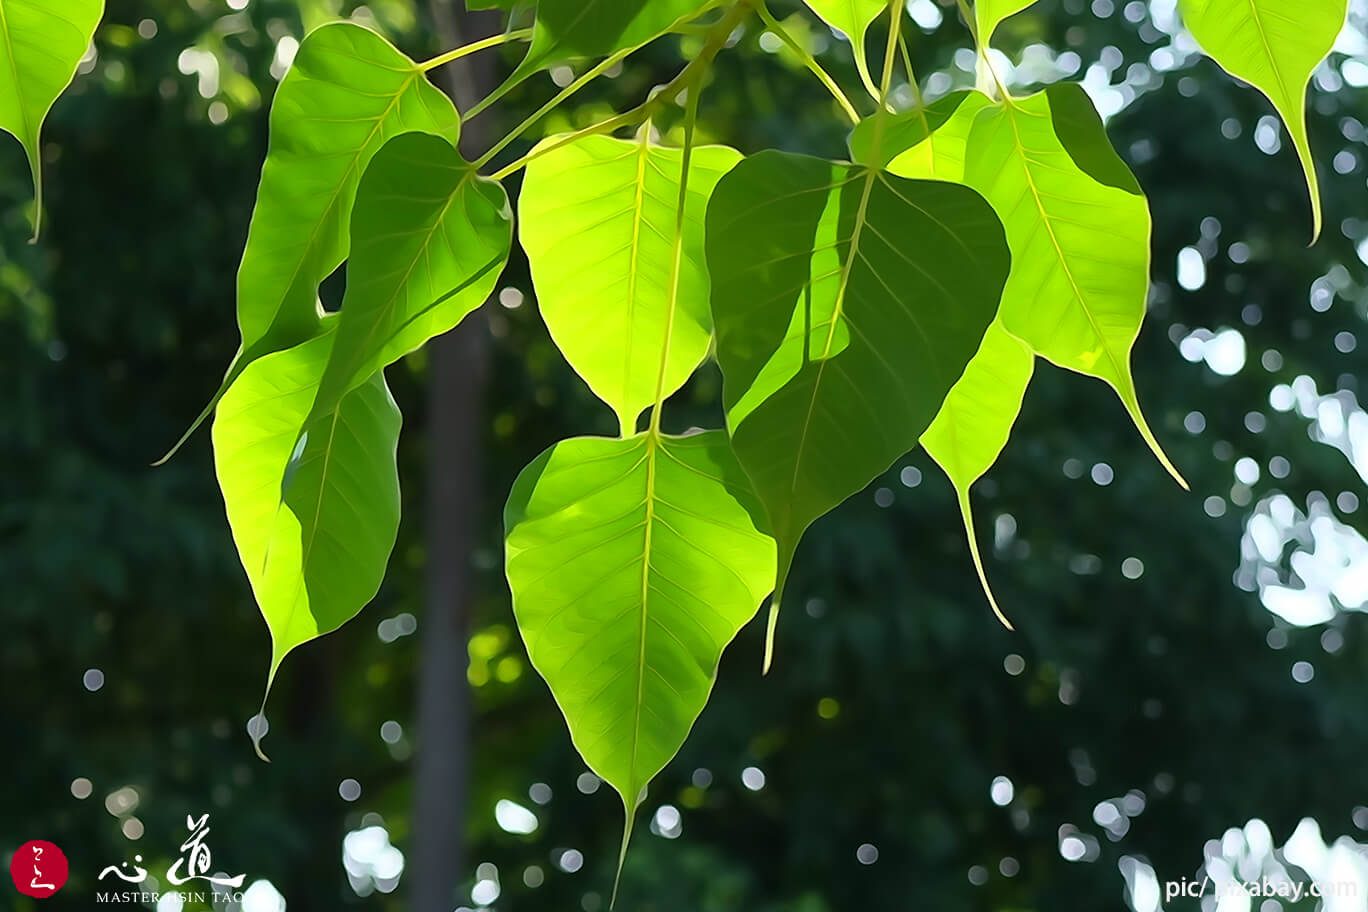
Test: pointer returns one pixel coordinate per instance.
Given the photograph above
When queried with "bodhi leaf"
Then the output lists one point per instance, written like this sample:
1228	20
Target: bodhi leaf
597	220
847	303
41	42
1274	45
926	142
314	518
988	15
633	563
597	28
347	92
1079	227
852	18
975	421
429	238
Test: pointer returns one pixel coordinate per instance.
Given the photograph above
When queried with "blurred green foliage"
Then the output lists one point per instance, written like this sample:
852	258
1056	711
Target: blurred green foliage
892	706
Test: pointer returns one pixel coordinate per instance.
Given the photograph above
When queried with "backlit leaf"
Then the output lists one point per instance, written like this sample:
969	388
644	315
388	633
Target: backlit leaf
41	42
975	421
924	142
567	29
1079	228
847	303
314	521
429	238
852	18
347	92
633	563
988	15
597	220
1274	45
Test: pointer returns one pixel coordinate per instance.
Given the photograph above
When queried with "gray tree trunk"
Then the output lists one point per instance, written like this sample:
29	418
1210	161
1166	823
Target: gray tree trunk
459	362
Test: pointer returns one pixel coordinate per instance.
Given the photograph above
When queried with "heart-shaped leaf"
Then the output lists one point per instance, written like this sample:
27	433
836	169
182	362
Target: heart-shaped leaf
988	15
1274	45
633	563
1079	228
847	303
429	238
347	92
41	42
597	220
314	517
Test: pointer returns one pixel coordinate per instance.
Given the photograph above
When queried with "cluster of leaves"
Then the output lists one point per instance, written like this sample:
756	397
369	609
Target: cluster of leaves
855	308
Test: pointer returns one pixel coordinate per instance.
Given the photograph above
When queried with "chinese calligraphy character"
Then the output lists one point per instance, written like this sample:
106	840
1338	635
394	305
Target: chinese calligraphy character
37	882
197	860
138	877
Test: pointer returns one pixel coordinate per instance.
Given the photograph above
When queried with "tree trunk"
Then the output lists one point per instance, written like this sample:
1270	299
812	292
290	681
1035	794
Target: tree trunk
459	362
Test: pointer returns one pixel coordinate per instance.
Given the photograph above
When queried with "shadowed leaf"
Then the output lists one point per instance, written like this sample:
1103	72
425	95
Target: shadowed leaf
847	303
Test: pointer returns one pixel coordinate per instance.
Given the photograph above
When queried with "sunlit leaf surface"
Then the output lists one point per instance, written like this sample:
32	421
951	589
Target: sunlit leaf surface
1274	45
41	42
1079	228
314	521
347	92
597	219
633	563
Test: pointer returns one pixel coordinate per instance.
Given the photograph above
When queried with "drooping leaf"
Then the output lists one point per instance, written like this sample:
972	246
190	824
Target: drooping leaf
1079	228
974	422
567	29
988	15
347	92
597	220
429	238
847	303
926	142
852	18
41	42
633	563
314	519
1274	45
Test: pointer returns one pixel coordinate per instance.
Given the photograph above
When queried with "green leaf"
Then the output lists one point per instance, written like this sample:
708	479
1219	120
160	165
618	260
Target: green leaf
925	142
314	521
1274	45
975	421
633	563
847	303
347	92
852	18
429	238
988	15
1079	229
41	42
597	28
597	220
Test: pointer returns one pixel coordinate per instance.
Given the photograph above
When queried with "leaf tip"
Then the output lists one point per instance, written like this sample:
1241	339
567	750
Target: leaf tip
630	810
770	625
966	513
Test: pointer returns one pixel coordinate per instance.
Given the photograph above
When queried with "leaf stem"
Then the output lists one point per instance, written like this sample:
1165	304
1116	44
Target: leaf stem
482	44
585	78
716	40
809	61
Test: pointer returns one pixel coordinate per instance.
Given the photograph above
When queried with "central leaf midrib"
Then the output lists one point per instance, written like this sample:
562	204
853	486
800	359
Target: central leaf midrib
1268	49
861	213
